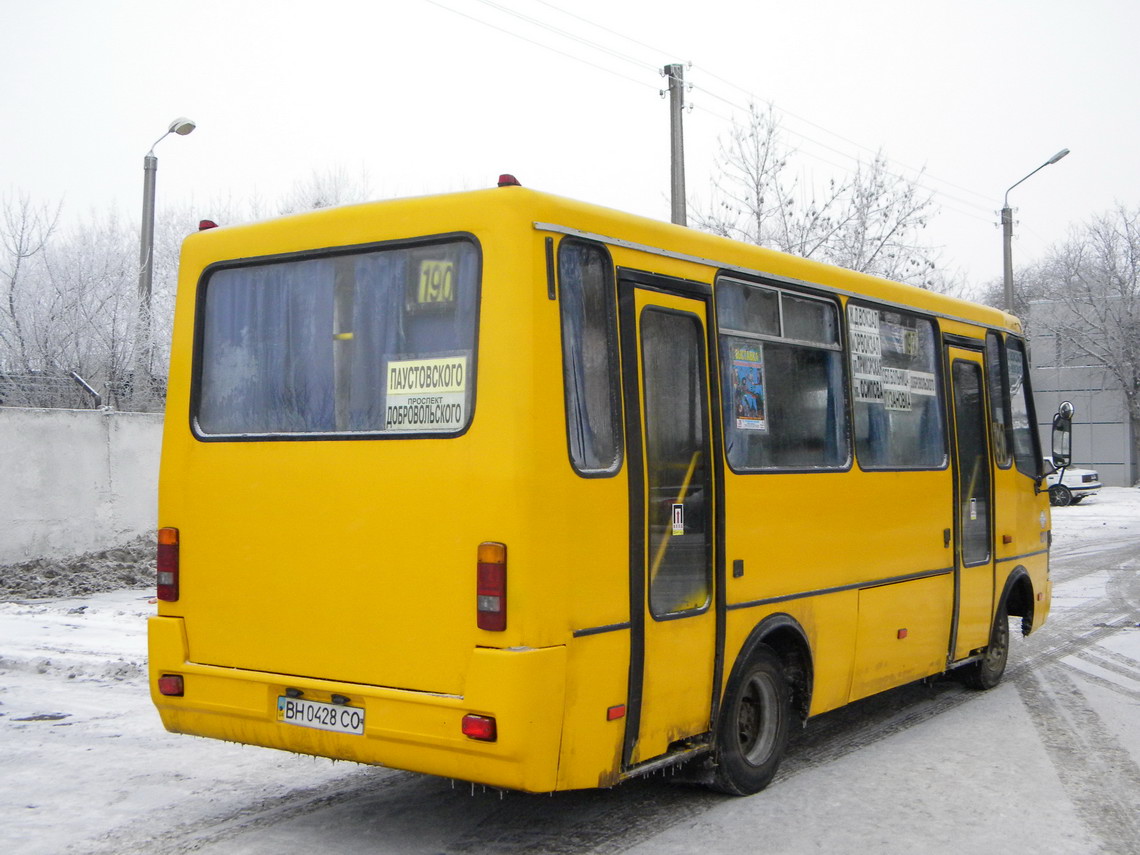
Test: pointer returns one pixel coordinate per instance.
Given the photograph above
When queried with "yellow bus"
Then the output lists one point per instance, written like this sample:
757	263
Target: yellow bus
517	490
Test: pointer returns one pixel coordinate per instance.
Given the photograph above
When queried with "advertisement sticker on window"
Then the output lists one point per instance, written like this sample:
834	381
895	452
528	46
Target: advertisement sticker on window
866	354
426	394
896	389
748	401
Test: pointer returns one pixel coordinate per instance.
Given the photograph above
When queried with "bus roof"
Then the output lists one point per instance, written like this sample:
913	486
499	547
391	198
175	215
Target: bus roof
475	209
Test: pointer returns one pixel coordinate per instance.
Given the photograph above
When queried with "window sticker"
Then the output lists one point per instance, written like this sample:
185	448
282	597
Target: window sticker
866	354
678	519
900	385
437	282
896	389
432	286
748	400
900	339
426	394
922	383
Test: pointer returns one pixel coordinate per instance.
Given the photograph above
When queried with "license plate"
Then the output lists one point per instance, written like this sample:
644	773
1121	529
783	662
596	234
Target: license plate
320	716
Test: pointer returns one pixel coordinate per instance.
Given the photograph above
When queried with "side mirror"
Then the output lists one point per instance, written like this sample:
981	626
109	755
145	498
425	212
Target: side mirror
1063	435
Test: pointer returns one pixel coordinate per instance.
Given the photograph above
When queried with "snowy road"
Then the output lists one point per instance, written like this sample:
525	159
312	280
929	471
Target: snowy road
1048	762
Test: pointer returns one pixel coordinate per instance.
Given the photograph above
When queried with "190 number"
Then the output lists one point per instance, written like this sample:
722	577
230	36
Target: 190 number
437	282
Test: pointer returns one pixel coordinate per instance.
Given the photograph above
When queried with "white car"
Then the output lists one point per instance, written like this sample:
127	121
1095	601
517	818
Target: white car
1070	485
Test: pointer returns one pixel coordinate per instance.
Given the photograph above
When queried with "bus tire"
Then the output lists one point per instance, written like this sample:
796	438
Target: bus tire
752	729
987	672
1060	496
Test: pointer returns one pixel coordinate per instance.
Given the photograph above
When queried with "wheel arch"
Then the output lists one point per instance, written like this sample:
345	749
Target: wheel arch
1018	597
783	634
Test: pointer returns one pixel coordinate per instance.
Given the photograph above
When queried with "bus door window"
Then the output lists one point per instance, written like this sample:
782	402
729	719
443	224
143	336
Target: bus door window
1026	451
973	463
1000	426
676	462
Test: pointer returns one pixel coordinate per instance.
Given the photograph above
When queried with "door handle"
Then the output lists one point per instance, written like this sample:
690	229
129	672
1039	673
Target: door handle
946	538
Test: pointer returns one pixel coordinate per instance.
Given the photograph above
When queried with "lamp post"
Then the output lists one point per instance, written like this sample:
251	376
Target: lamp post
1007	230
181	126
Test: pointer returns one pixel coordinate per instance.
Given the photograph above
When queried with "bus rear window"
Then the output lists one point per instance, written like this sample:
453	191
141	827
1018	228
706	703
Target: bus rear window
377	342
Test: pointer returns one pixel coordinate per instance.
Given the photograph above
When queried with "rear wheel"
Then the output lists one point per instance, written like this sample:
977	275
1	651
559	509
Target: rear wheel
987	672
1060	496
752	730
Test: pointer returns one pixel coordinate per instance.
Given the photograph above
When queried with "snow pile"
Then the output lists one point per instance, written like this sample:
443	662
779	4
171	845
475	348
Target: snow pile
92	637
128	566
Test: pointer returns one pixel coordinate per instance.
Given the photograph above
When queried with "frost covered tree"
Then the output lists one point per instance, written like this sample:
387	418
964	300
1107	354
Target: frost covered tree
870	221
70	304
69	296
25	230
325	189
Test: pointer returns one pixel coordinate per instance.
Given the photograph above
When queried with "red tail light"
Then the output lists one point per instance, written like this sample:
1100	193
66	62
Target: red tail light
491	587
168	564
171	685
481	727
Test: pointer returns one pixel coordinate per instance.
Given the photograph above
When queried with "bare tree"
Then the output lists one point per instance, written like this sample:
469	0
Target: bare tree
1093	279
869	221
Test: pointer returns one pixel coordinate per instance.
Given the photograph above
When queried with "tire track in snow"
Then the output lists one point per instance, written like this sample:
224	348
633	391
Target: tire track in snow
1100	777
201	832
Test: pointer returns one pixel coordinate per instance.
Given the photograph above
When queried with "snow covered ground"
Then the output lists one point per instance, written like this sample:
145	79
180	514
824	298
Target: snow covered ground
1049	762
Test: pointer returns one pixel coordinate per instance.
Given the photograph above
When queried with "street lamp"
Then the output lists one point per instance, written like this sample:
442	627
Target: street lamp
1007	230
181	126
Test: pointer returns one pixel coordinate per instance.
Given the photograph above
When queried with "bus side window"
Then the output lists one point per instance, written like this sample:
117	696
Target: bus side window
894	379
782	378
1025	450
589	358
1000	427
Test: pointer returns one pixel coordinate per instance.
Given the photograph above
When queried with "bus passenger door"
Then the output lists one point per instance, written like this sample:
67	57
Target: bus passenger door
672	513
973	554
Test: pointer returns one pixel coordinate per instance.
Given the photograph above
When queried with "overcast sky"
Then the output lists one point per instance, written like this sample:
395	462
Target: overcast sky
427	96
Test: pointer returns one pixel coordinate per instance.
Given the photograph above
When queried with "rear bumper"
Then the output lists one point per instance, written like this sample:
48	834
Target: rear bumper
522	689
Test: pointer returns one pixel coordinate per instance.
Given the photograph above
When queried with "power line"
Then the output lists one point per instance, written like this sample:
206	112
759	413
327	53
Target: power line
521	37
656	50
568	35
752	97
942	195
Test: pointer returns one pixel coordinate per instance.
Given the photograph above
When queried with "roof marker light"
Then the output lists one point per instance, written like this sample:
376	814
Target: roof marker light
508	180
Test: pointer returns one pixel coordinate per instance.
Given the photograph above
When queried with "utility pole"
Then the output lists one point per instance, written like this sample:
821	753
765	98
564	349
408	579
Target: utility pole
1007	232
676	75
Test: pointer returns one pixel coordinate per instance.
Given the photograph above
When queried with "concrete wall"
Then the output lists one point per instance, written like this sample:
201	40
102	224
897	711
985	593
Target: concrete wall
75	481
1102	433
1102	430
